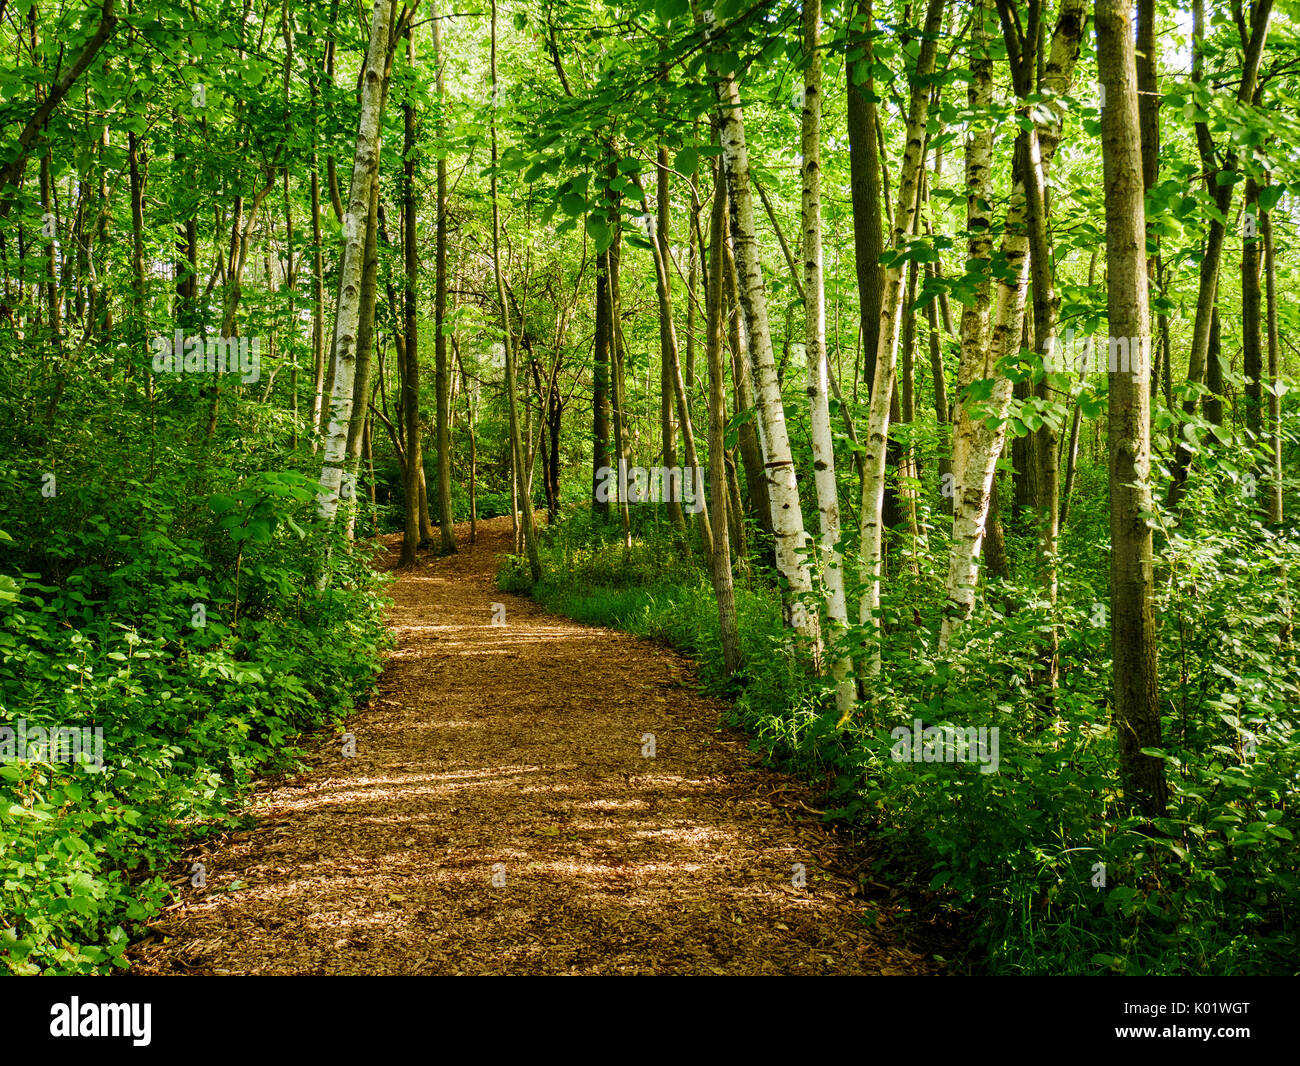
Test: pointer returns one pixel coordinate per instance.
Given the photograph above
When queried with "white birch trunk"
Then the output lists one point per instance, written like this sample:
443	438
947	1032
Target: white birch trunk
348	315
783	489
828	504
975	446
871	522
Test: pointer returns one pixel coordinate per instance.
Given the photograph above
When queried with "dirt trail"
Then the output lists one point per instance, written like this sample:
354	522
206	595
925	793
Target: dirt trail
514	754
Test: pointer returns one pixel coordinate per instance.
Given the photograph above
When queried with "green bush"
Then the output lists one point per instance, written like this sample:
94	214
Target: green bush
1038	864
187	627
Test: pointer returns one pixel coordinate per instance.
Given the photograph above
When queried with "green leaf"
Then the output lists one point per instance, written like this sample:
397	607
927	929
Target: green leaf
599	231
1269	196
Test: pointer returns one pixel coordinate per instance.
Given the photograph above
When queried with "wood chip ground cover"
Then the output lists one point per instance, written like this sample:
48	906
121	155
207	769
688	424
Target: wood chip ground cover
499	817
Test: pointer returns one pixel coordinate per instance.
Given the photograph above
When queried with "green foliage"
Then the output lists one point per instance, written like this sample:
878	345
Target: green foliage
183	624
1038	865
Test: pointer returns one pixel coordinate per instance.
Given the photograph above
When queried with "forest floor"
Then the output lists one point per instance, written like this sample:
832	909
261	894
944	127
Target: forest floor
499	817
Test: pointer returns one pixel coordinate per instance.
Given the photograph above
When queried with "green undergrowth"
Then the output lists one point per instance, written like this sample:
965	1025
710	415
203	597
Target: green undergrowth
1026	856
179	629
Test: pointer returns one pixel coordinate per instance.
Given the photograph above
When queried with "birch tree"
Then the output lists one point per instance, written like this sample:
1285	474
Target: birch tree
783	489
871	519
981	426
355	227
814	293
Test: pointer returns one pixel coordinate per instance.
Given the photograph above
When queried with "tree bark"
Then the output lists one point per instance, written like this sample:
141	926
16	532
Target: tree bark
814	292
720	560
783	489
871	516
1132	615
516	450
442	372
355	228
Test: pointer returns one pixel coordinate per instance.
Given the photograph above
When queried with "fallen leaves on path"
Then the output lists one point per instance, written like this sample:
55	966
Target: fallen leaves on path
499	817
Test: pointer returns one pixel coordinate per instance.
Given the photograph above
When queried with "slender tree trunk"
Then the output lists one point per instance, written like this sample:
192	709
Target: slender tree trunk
516	450
355	230
865	189
672	368
1133	636
823	448
1252	348
783	489
473	443
1214	373
317	281
1207	294
871	517
365	348
442	372
1072	449
750	441
1274	505
1273	509
134	163
408	353
668	350
600	388
979	244
720	560
976	446
941	411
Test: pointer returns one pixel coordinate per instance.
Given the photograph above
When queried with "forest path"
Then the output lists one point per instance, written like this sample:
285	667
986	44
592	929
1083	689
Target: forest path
521	745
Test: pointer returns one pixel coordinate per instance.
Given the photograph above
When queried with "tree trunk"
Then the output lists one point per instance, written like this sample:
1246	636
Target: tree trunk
1214	373
783	488
442	373
408	352
672	368
355	229
720	560
365	349
516	450
871	517
1132	622
750	443
668	350
814	289
976	447
1252	348
1207	293
473	444
1274	487
600	388
864	171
